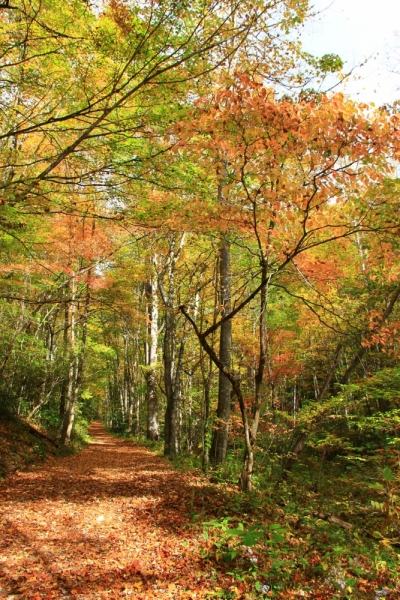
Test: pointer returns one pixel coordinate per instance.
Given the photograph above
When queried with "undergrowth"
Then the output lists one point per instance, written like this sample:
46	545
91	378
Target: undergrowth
22	449
331	530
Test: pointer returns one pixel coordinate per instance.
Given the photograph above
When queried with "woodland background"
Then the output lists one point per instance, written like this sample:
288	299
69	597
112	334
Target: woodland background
199	243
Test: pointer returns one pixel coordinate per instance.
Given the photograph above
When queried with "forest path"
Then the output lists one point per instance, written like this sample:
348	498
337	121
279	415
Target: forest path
109	522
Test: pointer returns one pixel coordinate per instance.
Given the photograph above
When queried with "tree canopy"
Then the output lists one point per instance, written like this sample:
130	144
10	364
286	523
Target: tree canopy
199	245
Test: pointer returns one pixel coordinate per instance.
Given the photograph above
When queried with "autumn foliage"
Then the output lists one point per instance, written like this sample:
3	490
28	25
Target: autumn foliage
199	246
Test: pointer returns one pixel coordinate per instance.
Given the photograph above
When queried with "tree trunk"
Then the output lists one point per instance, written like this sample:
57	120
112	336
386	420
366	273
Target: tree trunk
69	409
290	460
172	364
258	379
220	436
172	386
206	378
153	427
246	476
77	373
64	385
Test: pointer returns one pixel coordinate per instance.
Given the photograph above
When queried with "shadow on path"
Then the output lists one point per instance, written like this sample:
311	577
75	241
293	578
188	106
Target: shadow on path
109	522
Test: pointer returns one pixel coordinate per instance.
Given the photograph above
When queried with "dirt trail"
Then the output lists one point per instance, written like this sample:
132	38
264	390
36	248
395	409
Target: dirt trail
110	522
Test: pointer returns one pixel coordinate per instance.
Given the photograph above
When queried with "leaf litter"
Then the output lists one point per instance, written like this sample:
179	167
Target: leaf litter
109	522
118	521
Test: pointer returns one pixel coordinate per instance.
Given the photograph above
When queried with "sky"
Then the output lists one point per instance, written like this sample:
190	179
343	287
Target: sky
357	30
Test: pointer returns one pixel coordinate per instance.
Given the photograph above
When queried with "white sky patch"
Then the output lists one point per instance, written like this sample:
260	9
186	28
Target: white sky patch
357	30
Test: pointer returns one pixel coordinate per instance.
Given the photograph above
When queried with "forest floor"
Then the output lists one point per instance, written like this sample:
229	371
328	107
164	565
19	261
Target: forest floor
109	522
116	520
21	445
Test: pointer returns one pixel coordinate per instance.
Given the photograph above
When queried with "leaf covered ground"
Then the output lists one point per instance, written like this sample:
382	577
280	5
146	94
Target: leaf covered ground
109	522
20	448
117	521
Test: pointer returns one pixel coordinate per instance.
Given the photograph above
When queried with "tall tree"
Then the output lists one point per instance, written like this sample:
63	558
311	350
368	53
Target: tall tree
293	171
151	291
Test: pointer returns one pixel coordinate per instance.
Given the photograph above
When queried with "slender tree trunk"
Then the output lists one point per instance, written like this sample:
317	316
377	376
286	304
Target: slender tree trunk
77	374
246	476
206	378
125	384
171	414
130	401
64	385
220	436
153	427
69	410
298	445
259	376
172	363
128	384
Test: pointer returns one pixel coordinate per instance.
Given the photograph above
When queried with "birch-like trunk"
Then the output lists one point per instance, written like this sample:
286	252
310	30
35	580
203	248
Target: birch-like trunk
76	369
153	426
172	359
68	409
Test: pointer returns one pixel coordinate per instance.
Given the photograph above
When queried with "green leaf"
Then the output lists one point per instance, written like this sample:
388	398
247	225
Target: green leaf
277	537
251	537
229	556
388	474
377	535
379	505
330	63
